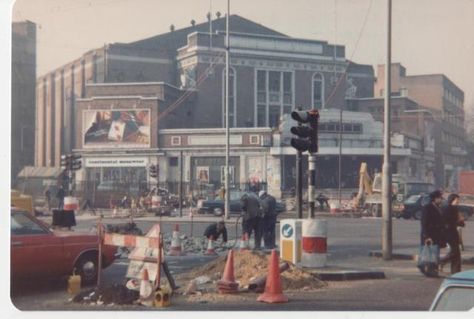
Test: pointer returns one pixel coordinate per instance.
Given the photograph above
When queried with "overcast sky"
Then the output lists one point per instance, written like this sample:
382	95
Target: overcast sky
429	36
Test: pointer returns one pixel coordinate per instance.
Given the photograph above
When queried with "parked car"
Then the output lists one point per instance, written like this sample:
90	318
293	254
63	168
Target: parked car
456	293
413	207
39	252
216	206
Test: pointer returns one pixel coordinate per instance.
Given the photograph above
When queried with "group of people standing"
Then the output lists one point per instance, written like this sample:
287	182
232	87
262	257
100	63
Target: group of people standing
259	218
439	226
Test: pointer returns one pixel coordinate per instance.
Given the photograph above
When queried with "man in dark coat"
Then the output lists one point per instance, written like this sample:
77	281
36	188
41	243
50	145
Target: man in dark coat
60	196
252	217
432	222
215	230
452	220
268	204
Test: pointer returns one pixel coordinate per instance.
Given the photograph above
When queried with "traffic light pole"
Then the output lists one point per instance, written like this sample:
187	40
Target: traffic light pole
311	184
299	184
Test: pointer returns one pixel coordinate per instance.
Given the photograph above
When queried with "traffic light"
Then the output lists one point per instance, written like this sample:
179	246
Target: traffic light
307	135
76	162
153	171
64	161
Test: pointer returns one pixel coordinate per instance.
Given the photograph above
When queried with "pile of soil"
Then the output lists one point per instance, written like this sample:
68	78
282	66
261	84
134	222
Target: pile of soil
249	265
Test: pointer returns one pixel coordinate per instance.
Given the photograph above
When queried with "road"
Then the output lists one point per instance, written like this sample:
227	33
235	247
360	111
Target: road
349	242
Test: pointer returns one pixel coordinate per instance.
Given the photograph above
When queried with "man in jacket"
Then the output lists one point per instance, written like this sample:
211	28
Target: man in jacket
215	230
60	196
268	204
252	217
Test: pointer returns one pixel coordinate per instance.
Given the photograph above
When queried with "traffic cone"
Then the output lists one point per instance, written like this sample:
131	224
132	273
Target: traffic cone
210	247
227	284
146	290
273	292
176	249
244	242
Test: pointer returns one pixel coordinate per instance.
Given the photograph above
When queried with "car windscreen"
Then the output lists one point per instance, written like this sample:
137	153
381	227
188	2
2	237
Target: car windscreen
412	199
418	188
456	299
21	224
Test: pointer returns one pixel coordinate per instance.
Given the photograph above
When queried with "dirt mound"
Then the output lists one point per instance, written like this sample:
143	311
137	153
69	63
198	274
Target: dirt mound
249	265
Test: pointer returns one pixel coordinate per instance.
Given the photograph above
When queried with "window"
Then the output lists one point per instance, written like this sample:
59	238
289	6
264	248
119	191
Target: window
274	96
175	140
231	170
21	224
173	161
318	91
254	139
456	299
232	98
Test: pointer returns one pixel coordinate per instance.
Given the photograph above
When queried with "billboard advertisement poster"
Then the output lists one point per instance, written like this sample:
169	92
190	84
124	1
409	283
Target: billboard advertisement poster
116	128
202	174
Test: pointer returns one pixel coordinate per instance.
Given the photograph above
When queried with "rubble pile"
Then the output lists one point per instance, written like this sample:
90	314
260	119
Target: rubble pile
248	266
108	295
196	245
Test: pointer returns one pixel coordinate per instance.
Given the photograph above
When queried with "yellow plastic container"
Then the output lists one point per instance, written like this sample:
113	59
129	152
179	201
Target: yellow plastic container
74	284
162	298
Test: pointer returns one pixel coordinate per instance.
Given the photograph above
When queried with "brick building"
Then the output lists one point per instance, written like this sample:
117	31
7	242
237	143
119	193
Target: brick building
23	96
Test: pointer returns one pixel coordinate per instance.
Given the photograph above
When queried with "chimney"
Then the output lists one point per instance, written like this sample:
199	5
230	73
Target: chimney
193	23
172	27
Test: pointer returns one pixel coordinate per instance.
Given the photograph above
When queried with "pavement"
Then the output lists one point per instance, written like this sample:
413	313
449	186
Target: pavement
412	254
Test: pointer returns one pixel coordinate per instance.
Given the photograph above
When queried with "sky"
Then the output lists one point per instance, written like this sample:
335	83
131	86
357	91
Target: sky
428	36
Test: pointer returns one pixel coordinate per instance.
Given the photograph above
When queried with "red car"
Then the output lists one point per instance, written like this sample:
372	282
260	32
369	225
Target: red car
39	252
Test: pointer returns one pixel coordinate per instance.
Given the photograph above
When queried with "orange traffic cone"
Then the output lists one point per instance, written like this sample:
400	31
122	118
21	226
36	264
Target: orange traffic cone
146	290
227	284
175	249
244	242
210	247
273	292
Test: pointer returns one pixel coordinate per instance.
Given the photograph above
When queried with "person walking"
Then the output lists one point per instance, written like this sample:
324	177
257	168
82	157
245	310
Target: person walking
252	217
432	224
60	194
268	204
215	230
452	220
47	195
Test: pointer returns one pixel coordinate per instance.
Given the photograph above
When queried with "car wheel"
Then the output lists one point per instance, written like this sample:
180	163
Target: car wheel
417	215
374	210
406	215
218	211
86	267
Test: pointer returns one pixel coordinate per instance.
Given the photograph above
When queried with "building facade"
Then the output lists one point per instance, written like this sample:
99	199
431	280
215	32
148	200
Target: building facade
23	96
445	100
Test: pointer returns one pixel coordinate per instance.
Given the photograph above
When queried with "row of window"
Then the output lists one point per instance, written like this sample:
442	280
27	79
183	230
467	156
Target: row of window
346	127
453	118
452	140
451	97
274	92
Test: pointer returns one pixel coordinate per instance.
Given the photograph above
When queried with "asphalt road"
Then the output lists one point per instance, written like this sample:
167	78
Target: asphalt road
349	242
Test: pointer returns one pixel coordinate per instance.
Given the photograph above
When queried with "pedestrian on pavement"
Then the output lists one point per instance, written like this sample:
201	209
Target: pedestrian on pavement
222	193
268	204
215	230
60	194
432	224
452	219
47	194
252	217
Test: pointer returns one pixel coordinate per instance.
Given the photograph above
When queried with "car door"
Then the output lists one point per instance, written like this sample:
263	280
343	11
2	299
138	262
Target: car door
35	250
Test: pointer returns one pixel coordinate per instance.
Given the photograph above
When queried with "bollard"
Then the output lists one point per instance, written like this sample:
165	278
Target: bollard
314	243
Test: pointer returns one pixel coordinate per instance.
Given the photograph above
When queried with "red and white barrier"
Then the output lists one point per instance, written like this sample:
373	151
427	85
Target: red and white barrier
176	249
71	203
130	241
314	243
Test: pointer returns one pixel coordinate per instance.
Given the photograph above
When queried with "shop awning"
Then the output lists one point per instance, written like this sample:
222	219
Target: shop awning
40	172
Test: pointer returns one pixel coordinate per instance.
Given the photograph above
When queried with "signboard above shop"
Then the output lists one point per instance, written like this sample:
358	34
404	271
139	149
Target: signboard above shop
116	162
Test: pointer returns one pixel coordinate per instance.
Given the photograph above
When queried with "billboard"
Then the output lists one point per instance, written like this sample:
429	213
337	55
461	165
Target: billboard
116	128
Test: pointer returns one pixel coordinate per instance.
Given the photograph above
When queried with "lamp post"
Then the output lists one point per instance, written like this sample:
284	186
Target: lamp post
386	172
227	133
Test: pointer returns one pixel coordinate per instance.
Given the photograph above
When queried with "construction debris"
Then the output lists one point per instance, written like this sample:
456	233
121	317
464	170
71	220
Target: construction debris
248	266
113	294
